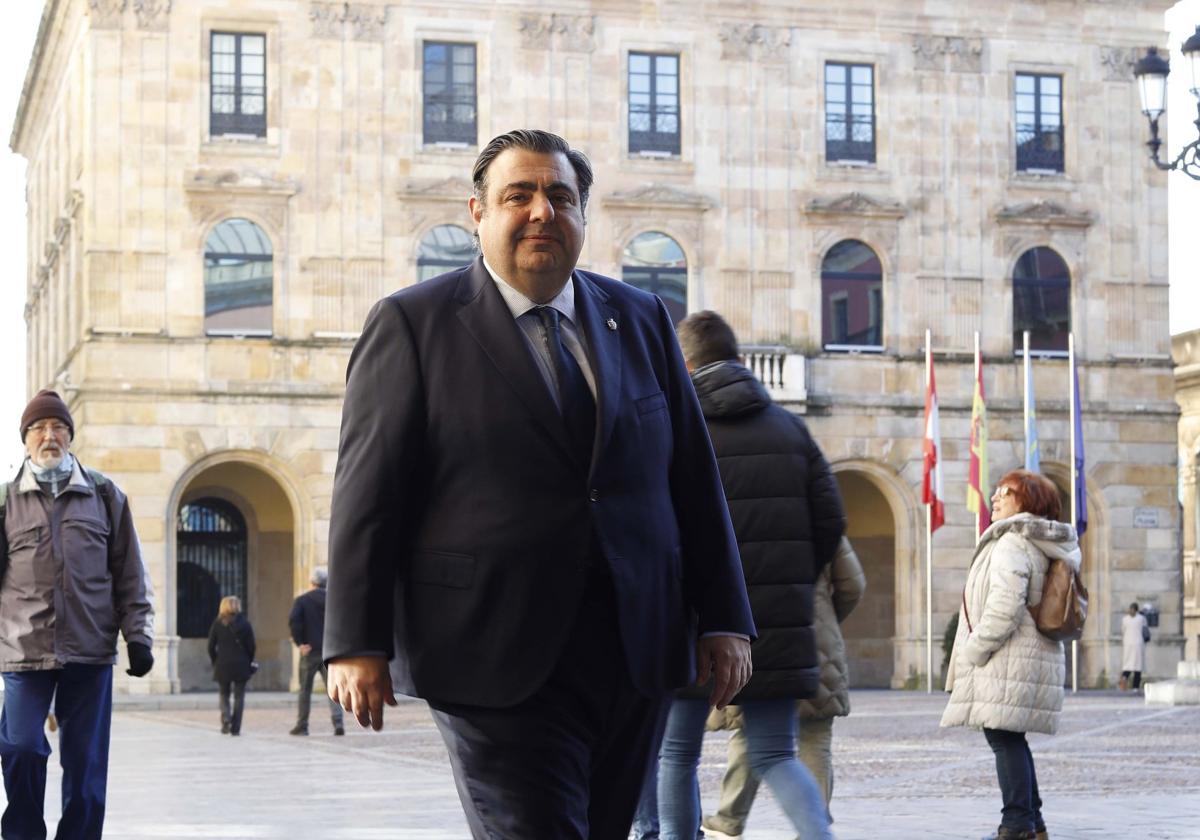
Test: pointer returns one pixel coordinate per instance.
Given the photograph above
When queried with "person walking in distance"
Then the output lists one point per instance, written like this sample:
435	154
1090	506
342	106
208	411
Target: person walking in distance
527	516
1135	632
839	589
231	649
71	578
788	519
307	621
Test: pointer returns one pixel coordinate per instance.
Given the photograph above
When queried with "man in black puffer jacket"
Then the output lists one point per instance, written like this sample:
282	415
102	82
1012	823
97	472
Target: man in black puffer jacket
788	518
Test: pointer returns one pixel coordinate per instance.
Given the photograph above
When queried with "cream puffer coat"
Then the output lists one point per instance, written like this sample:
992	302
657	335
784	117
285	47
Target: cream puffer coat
1003	673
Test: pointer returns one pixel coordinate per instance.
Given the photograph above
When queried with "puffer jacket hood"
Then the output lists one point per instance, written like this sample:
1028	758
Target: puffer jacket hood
1056	540
728	389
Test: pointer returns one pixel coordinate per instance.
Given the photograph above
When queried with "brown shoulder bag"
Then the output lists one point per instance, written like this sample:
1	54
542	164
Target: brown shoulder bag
1064	605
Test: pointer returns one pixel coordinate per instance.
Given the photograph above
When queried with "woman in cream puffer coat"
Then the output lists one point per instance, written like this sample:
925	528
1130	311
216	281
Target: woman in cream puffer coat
1005	677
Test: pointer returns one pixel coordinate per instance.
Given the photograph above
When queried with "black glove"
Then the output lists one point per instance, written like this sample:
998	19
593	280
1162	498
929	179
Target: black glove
141	660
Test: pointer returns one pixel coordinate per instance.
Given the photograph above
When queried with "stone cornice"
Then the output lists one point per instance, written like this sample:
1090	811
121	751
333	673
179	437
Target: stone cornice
234	181
657	196
452	189
33	72
1043	213
855	204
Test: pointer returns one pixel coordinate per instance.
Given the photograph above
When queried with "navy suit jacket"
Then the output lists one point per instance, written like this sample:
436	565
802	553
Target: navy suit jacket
462	522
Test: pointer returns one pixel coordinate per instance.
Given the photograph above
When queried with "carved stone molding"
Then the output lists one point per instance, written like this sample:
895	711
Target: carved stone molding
746	41
565	33
657	196
1043	214
106	14
452	189
367	22
939	52
856	204
239	181
1118	62
327	19
152	14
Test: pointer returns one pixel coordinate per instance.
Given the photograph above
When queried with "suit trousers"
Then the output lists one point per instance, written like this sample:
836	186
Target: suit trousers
567	763
82	701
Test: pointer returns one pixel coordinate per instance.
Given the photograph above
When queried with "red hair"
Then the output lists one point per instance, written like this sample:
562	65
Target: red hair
1034	493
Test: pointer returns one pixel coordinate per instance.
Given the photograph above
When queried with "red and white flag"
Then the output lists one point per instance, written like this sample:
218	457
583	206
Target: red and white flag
932	494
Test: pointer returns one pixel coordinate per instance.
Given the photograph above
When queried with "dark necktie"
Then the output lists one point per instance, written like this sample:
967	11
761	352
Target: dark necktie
574	396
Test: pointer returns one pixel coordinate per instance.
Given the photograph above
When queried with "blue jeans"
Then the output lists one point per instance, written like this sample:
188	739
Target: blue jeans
645	820
1022	809
770	729
82	696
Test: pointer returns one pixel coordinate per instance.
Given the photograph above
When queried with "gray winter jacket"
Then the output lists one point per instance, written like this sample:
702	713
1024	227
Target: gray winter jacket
72	579
1003	673
837	593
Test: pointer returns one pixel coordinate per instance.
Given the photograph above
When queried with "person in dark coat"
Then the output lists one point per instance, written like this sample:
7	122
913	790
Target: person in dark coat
307	623
788	518
231	649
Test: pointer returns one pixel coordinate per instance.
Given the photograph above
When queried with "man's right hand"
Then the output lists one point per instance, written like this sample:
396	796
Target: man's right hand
361	685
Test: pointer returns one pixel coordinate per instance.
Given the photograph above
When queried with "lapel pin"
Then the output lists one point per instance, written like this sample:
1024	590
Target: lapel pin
611	324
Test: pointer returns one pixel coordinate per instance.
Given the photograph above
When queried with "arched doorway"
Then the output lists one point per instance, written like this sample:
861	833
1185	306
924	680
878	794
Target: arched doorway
234	536
869	631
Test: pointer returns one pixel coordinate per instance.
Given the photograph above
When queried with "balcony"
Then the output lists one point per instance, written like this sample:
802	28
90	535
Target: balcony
779	369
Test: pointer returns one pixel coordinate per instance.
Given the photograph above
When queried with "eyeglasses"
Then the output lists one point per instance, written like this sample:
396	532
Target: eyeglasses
1002	491
55	427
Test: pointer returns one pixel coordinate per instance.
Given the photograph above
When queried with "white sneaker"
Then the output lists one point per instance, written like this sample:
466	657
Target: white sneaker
713	834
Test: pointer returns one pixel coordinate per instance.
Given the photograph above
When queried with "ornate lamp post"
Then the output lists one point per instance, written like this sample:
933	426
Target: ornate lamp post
1151	72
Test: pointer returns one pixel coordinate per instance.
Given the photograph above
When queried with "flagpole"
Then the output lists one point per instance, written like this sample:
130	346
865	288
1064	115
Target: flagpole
1074	483
982	478
928	550
1025	393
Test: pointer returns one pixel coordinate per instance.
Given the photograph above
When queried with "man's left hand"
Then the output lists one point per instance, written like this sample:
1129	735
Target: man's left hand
727	660
141	660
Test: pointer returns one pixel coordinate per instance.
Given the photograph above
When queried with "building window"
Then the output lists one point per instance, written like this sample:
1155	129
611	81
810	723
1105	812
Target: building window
849	112
1041	301
449	74
1039	123
238	279
851	298
210	537
238	84
443	249
655	263
653	103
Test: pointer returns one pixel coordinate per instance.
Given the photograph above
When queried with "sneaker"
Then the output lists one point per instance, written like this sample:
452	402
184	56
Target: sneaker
337	730
298	730
711	833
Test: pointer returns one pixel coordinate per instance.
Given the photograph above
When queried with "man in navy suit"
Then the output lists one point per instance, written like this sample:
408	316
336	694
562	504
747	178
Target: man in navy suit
527	516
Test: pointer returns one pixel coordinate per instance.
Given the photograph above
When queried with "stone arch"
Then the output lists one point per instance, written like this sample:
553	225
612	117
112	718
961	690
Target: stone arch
891	554
279	559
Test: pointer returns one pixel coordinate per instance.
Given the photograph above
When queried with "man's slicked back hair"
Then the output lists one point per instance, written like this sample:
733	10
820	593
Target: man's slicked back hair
531	140
706	337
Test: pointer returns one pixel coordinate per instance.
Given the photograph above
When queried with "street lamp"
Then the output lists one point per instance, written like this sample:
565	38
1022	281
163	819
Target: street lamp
1151	72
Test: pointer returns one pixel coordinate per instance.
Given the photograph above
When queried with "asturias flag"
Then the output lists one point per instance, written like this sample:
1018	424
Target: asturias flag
1080	466
977	475
932	491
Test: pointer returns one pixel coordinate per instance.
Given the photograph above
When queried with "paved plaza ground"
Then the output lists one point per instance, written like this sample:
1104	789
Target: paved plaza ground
1118	769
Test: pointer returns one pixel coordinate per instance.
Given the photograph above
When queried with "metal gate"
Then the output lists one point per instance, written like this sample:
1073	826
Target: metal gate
211	544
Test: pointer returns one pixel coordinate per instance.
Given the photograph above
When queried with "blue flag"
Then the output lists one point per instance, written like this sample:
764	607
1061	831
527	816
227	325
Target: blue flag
1080	477
1033	460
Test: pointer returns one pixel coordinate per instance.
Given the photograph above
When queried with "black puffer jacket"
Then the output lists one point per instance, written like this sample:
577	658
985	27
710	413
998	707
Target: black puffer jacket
787	515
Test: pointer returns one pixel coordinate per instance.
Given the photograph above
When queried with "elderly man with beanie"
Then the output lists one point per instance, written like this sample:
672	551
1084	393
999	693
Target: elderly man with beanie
71	576
307	621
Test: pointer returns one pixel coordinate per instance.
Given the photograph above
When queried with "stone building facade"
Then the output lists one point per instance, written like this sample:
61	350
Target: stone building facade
219	189
1185	348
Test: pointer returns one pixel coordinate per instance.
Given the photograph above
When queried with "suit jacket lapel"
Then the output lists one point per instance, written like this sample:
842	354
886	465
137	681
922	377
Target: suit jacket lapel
490	322
604	353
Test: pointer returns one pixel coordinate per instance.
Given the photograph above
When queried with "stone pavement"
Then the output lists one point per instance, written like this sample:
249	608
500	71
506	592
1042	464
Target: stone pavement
1118	769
